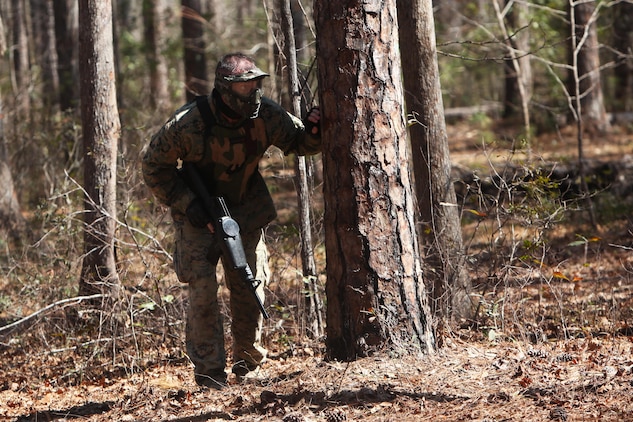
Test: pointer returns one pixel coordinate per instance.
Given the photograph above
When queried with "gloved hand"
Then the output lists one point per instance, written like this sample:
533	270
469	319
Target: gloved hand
312	122
197	215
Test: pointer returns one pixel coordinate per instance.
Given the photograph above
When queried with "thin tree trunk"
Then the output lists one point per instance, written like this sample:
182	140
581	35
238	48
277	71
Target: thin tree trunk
578	39
65	42
313	316
196	82
517	67
101	131
11	220
154	39
44	34
517	51
21	66
216	12
587	64
623	44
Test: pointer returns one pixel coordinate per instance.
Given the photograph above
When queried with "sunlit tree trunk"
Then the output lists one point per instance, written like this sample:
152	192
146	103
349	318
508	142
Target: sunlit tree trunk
518	35
101	131
376	296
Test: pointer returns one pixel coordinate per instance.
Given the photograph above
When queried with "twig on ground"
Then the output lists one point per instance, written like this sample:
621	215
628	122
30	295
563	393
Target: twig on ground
15	325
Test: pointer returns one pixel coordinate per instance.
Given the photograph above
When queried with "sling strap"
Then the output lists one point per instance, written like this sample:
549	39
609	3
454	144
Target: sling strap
202	102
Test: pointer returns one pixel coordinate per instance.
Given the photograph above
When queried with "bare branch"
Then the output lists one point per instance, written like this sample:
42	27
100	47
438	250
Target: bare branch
75	300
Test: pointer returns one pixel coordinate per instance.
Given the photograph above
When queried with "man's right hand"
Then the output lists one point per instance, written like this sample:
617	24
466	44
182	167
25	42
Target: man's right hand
312	122
197	215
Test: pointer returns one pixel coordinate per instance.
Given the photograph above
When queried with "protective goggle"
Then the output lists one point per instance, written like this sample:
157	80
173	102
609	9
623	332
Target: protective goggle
249	75
247	105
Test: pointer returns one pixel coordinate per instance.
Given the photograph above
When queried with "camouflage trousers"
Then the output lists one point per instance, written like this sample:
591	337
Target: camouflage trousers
195	261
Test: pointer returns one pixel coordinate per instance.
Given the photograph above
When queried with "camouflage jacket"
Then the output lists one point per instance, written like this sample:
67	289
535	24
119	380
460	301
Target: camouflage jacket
227	157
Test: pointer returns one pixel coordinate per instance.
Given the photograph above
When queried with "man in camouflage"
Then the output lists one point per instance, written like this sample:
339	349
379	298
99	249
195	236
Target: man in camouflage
226	153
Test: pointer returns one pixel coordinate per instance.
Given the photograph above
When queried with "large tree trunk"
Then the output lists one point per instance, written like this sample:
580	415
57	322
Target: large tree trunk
101	131
441	228
195	59
375	290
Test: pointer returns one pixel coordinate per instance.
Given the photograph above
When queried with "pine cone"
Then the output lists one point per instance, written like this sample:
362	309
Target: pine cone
537	353
335	416
565	357
558	414
293	417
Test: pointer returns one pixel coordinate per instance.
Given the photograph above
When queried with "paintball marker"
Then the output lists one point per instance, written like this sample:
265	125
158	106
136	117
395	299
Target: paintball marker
227	230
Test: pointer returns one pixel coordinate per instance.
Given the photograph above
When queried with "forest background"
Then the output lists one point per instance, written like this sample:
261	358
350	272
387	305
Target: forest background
549	257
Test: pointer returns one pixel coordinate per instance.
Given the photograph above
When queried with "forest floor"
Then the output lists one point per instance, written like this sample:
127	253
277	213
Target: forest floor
553	341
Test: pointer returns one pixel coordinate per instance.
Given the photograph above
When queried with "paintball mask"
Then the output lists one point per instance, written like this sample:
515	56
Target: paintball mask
246	105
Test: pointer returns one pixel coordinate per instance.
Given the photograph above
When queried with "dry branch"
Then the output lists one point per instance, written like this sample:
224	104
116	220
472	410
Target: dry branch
21	323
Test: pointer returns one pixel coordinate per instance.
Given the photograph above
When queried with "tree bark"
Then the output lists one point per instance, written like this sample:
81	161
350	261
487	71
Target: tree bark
375	290
21	65
518	66
588	68
101	131
436	201
623	45
196	82
65	42
11	220
154	39
44	39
